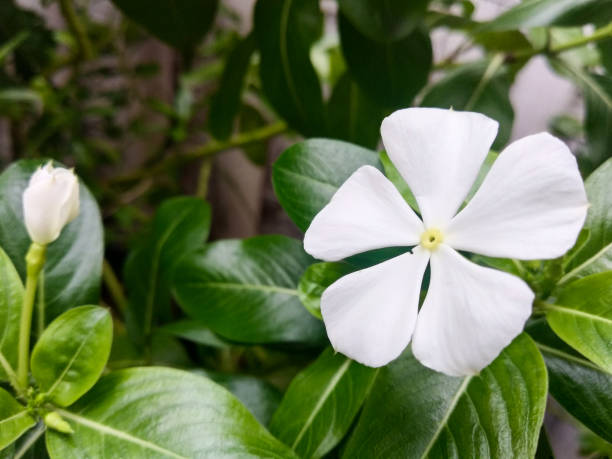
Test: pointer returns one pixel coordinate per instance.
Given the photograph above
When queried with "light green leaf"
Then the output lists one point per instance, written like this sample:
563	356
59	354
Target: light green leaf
414	412
73	269
180	23
315	280
14	419
321	403
172	414
285	31
70	355
395	71
582	317
11	302
180	226
581	387
307	175
246	290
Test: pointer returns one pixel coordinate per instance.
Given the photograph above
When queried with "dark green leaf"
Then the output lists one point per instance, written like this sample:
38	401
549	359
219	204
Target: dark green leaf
225	103
315	280
470	87
384	20
582	388
70	355
353	116
582	317
171	414
195	331
396	178
416	412
11	303
308	174
540	13
597	90
285	31
321	403
390	73
246	290
544	450
180	226
180	23
14	419
73	269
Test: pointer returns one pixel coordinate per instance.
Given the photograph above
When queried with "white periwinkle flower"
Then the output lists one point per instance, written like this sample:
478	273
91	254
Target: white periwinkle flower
50	201
531	205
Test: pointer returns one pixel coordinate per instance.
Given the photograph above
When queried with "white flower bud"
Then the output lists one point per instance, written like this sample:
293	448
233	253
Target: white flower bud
50	201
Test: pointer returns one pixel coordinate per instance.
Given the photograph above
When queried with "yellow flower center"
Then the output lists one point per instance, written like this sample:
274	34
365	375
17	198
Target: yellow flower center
432	238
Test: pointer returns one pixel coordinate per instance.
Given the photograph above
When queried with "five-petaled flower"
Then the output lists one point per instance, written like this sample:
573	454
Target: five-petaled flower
531	205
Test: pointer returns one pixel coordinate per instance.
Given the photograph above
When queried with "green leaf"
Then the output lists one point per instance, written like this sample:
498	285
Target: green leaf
582	317
581	387
172	414
386	20
316	279
307	175
14	419
285	31
225	103
540	13
73	269
180	23
180	226
395	71
321	403
598	263
353	116
415	412
260	398
398	181
194	331
472	87
246	290
11	302
70	355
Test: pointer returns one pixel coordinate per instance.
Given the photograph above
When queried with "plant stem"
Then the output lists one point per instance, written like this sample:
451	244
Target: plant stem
10	373
114	287
35	259
40	311
76	28
212	148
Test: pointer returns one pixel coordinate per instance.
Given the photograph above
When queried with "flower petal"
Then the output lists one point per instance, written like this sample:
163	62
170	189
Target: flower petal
370	314
531	205
470	314
367	212
439	153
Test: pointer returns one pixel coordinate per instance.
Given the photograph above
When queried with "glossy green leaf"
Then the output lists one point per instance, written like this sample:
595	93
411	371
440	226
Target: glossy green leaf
285	31
321	403
581	387
416	412
316	279
353	116
260	398
225	103
307	175
161	413
14	419
180	226
246	290
390	73
194	331
582	317
73	269
598	263
471	87
180	23
70	355
539	13
11	302
384	20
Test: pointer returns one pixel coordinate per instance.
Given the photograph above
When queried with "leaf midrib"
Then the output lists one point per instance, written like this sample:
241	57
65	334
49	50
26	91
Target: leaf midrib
577	312
586	263
240	286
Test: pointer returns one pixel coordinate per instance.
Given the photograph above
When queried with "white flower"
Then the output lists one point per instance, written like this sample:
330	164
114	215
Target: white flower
50	201
531	205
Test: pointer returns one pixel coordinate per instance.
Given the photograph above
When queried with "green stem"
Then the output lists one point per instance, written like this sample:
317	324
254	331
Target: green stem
210	149
40	310
76	28
10	373
35	259
114	287
490	71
